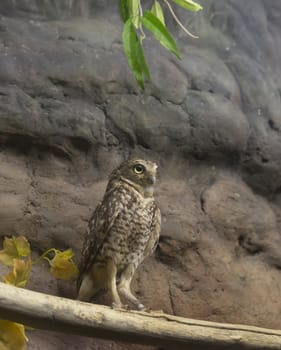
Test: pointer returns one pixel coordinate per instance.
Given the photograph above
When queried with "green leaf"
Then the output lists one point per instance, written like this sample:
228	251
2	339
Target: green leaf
158	12
157	28
142	61
188	5
130	42
124	10
135	12
134	53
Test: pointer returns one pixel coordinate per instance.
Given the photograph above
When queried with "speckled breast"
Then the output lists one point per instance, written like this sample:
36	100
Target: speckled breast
128	237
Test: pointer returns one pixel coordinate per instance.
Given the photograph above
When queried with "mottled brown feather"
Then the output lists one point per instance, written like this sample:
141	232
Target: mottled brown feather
99	225
122	231
155	233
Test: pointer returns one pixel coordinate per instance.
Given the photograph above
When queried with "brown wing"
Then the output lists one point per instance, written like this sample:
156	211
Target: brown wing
155	232
100	224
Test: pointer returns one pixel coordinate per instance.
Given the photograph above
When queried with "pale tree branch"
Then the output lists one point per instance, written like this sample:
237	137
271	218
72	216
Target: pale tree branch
64	315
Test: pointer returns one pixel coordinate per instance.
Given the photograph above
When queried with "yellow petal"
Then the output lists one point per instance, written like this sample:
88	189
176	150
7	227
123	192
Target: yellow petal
65	270
12	336
13	248
6	259
20	273
9	251
62	266
22	246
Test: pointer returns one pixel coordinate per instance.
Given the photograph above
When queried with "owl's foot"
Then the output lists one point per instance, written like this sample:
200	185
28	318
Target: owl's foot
127	294
156	312
116	306
144	308
119	307
140	307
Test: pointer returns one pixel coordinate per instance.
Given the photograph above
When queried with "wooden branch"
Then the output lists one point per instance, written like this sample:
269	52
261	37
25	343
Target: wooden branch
64	315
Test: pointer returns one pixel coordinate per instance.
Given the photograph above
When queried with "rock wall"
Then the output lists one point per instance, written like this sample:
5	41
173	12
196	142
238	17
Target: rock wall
70	111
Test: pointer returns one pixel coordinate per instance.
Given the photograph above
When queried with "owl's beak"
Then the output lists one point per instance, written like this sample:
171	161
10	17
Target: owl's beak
153	179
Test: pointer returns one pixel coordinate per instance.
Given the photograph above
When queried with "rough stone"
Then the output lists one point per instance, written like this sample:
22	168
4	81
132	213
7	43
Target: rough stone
70	111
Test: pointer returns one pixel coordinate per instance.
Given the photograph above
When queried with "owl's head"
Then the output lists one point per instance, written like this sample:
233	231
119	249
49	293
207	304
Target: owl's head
139	173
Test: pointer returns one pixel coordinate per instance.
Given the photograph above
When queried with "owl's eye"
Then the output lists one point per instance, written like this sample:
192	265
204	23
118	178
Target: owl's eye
139	169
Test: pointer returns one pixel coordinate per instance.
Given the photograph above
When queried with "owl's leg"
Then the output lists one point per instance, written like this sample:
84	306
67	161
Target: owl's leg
111	284
124	286
87	289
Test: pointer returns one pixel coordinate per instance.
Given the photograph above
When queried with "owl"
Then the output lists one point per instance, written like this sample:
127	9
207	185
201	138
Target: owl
123	230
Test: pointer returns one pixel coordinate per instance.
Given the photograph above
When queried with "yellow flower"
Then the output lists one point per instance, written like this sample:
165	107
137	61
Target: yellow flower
12	336
14	248
62	266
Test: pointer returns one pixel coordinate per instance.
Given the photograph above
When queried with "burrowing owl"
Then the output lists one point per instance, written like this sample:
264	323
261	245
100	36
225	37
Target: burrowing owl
123	230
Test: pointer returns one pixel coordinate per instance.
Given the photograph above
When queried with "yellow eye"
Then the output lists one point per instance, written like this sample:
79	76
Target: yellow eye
139	169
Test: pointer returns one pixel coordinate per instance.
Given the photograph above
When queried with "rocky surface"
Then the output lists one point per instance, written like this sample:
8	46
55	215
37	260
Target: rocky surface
70	111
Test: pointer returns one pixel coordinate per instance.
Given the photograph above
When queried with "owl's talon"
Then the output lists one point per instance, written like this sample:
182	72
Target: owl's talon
116	306
155	311
119	307
140	307
146	309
